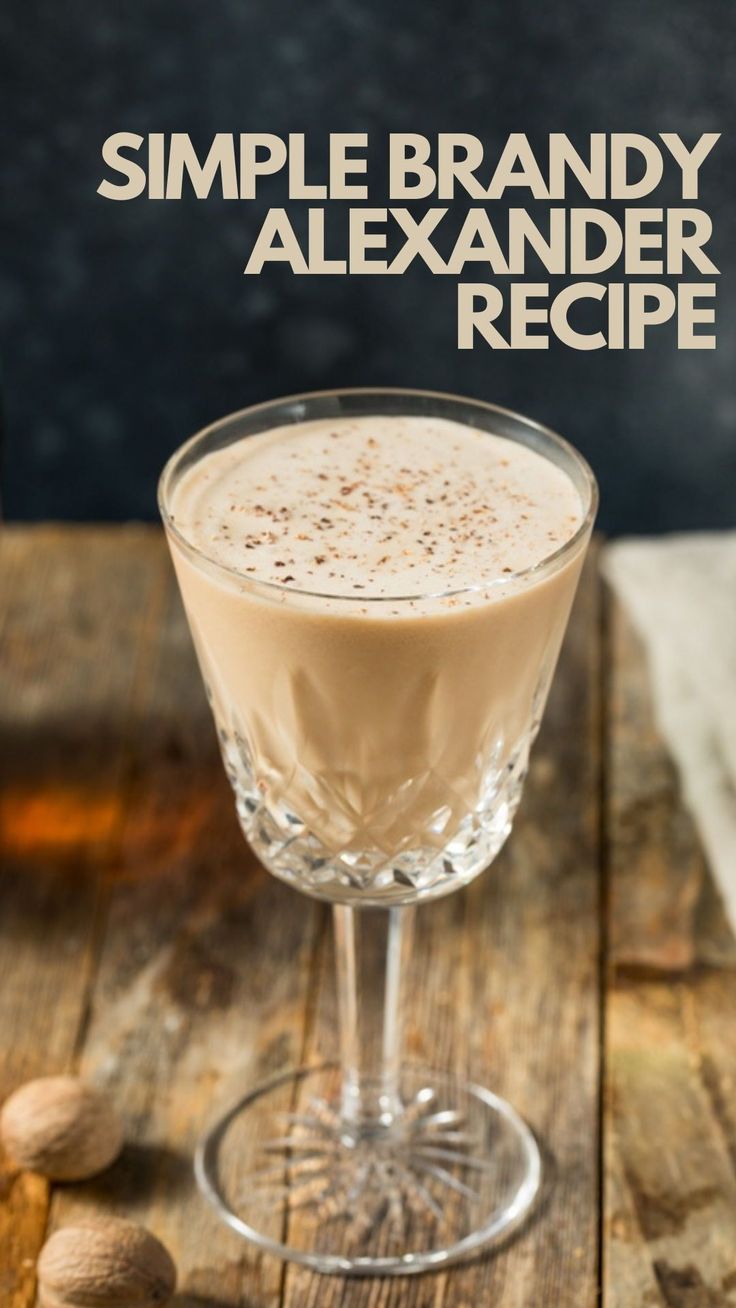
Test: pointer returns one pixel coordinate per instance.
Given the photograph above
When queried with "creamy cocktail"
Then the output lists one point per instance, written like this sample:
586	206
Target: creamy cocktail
378	728
377	585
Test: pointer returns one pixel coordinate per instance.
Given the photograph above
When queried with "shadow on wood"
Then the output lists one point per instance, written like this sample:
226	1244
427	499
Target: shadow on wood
140	1171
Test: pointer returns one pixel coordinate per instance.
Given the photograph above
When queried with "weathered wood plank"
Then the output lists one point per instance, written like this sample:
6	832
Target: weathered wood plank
504	986
670	1126
664	914
205	962
70	668
202	982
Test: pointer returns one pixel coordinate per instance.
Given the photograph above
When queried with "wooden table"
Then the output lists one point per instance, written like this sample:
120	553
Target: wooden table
589	976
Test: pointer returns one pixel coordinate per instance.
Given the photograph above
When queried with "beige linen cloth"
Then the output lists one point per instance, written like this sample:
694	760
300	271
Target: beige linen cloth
680	592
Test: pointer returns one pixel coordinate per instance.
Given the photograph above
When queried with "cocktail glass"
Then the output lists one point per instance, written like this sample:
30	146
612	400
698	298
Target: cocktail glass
366	774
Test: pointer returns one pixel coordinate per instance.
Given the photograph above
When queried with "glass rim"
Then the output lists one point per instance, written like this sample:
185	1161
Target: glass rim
549	564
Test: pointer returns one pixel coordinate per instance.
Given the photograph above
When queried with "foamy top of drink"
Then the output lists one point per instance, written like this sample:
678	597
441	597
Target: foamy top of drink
376	507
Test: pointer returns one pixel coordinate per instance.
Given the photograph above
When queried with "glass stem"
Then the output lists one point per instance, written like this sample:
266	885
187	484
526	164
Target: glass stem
370	950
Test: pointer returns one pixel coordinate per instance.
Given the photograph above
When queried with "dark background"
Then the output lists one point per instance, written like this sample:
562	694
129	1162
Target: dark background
126	326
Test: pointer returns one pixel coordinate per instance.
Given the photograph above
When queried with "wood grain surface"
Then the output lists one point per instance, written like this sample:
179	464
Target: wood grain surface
670	1024
141	943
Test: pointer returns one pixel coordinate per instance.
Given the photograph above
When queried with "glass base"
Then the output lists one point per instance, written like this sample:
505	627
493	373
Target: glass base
453	1173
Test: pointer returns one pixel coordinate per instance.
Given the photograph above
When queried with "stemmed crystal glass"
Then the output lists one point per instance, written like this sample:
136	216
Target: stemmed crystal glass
367	775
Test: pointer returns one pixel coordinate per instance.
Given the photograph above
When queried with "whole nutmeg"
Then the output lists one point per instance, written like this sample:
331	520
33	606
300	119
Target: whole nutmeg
105	1262
60	1127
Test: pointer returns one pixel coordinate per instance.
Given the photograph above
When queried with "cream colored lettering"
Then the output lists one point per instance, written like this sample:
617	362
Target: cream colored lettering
458	156
682	245
318	261
623	145
522	314
183	159
361	240
641	295
477	227
479	304
343	166
517	167
408	155
563	156
523	231
689	160
638	240
581	222
417	244
688	315
252	167
299	187
560	309
135	175
276	227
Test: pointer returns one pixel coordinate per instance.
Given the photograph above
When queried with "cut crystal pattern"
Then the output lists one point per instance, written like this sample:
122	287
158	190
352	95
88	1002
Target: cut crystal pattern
455	1171
372	1180
442	856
